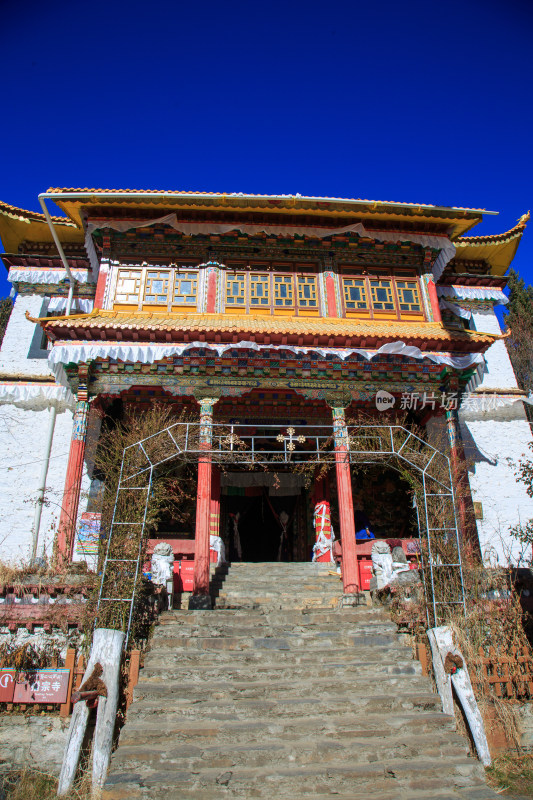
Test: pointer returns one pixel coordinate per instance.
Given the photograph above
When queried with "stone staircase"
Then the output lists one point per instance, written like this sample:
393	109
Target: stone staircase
278	694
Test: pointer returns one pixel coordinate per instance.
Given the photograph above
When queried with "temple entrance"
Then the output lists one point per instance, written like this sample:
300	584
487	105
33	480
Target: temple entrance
263	517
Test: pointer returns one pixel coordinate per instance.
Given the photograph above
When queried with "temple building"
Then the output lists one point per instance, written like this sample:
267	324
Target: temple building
276	315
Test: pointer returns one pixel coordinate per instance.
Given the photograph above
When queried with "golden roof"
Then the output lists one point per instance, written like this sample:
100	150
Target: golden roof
456	220
320	328
498	250
18	225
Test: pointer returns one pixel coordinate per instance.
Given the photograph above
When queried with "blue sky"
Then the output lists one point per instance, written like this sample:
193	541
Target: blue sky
414	101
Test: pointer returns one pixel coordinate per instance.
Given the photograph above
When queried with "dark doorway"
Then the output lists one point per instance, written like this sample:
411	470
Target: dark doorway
260	532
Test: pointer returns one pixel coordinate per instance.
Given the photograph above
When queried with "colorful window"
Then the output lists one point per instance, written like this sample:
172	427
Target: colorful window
408	296
185	288
156	287
307	295
354	294
382	298
236	289
128	286
259	290
283	296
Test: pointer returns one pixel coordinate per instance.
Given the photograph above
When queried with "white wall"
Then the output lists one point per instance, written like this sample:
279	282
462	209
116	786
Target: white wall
22	442
18	338
495	439
23	435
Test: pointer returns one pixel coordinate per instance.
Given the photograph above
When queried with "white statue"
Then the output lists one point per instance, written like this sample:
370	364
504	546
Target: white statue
216	544
162	564
385	569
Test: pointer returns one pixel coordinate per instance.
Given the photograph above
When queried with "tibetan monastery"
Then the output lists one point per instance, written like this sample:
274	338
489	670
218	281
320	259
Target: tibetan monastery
269	319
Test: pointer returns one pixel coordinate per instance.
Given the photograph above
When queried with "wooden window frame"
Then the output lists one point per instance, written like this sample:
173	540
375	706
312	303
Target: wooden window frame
272	270
405	275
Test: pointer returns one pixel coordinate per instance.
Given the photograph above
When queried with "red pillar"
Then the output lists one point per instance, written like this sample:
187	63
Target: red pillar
434	300
201	597
350	577
330	294
211	294
71	494
463	497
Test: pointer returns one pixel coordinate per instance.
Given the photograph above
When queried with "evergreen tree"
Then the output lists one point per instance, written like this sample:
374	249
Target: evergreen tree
519	323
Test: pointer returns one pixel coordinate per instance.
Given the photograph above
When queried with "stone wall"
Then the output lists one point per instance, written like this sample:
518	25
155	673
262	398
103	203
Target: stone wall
33	741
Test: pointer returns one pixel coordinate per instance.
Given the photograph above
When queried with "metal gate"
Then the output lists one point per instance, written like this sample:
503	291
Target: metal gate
305	446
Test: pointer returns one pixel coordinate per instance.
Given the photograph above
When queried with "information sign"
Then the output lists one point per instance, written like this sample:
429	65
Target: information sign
7	685
42	686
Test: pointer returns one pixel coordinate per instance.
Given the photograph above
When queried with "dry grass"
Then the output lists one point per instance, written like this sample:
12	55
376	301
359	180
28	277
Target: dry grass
33	784
512	775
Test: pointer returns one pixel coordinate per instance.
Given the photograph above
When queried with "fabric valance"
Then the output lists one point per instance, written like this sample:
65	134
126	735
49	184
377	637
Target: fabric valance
36	396
473	293
442	243
32	275
82	305
64	353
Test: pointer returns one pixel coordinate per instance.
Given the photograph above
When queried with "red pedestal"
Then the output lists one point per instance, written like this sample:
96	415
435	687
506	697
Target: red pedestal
365	574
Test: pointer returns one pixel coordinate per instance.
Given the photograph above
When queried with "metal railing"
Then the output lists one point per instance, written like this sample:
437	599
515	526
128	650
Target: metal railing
269	446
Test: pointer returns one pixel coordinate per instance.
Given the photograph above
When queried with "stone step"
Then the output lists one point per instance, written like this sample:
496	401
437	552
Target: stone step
319	616
387	788
309	779
259	658
345	727
268	643
162	703
284	754
272	700
279	663
317	675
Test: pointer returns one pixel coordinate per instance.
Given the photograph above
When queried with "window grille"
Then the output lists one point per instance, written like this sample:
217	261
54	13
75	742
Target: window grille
408	296
354	294
128	286
307	295
259	290
283	294
156	287
185	288
382	298
236	289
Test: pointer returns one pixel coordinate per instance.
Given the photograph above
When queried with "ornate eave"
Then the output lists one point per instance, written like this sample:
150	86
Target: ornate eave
79	203
325	332
497	250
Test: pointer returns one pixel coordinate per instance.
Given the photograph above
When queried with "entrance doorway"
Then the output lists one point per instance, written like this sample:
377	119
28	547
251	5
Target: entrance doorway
263	517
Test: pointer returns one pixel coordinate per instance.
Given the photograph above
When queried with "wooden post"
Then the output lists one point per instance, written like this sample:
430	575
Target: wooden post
110	645
200	598
133	675
350	573
70	663
441	640
71	494
106	650
463	496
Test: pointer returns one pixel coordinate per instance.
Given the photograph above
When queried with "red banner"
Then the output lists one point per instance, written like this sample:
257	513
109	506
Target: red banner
42	686
7	685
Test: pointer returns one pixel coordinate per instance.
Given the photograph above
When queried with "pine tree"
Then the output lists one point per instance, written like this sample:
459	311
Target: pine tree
519	323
